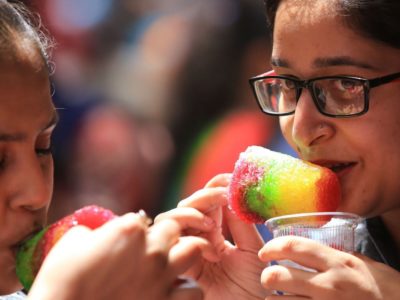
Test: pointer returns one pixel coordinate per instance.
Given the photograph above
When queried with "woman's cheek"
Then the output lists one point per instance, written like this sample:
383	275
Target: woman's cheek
286	125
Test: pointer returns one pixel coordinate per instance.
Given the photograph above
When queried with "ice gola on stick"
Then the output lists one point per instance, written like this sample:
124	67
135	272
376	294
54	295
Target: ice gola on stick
268	184
33	252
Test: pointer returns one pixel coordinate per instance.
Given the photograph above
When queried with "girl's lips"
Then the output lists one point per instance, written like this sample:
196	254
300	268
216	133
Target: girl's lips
14	250
27	237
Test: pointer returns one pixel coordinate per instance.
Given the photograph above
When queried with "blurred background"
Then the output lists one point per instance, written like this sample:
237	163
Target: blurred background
153	97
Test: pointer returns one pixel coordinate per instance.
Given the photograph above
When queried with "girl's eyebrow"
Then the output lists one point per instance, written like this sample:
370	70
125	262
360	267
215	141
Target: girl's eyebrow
15	137
6	137
53	121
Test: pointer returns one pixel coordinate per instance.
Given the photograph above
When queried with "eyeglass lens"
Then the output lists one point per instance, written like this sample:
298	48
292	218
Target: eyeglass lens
334	96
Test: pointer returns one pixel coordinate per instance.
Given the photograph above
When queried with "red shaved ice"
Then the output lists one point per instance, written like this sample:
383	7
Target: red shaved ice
33	252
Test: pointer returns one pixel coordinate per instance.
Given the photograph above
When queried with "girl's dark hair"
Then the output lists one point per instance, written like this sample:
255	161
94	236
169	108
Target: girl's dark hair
375	19
16	23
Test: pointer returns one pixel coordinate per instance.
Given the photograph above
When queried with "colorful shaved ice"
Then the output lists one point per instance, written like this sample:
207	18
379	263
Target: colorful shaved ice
268	184
32	253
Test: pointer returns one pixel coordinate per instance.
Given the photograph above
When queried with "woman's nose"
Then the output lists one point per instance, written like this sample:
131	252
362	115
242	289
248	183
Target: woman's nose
309	126
30	183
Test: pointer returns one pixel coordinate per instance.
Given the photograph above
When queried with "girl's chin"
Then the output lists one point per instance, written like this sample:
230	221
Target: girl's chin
9	285
9	282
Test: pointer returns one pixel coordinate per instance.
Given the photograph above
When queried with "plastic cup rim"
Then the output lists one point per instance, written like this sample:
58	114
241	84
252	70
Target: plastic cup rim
353	216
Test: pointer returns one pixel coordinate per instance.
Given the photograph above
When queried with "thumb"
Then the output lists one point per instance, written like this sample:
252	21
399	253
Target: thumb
245	236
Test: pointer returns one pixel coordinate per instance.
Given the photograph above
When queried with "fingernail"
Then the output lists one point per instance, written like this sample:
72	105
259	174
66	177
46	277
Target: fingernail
260	254
144	217
212	207
181	203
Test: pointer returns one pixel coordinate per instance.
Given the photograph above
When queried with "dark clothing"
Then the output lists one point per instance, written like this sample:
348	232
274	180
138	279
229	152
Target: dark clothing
373	240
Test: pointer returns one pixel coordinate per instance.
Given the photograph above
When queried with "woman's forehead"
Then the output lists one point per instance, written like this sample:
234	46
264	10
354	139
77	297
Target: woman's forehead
304	42
306	11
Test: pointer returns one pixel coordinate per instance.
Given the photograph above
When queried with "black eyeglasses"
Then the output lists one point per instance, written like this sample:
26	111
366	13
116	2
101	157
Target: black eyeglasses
334	96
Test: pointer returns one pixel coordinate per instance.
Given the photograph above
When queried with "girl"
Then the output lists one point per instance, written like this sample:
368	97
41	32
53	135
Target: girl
121	260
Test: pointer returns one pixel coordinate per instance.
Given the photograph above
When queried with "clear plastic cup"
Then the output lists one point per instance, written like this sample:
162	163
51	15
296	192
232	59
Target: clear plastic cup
335	229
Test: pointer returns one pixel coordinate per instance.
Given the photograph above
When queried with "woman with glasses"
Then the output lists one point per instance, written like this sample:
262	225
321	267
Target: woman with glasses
335	87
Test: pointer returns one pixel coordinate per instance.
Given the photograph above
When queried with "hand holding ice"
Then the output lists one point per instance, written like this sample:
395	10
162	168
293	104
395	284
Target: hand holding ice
33	252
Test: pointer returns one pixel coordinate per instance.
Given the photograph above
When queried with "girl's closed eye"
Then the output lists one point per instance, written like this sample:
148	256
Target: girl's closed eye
44	151
3	159
43	144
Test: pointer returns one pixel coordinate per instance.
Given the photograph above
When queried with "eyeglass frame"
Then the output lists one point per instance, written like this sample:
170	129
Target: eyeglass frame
301	84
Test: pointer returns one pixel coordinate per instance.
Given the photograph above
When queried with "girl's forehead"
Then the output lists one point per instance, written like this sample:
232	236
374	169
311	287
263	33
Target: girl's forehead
25	99
22	51
23	74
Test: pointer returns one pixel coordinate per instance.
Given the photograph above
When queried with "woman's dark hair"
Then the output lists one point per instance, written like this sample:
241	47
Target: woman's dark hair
375	19
16	23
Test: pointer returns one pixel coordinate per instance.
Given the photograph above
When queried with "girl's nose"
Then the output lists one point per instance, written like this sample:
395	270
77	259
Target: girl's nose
30	182
309	126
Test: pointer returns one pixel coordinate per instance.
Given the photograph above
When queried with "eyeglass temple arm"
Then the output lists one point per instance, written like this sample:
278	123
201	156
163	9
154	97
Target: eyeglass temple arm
385	79
269	73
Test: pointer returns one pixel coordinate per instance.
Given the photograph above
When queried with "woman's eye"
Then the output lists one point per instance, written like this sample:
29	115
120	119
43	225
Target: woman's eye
288	84
346	85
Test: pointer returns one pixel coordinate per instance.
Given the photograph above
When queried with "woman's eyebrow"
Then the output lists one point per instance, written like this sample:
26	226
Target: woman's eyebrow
279	62
324	62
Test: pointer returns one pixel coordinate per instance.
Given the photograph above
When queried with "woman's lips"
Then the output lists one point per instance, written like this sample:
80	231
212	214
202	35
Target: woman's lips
339	168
